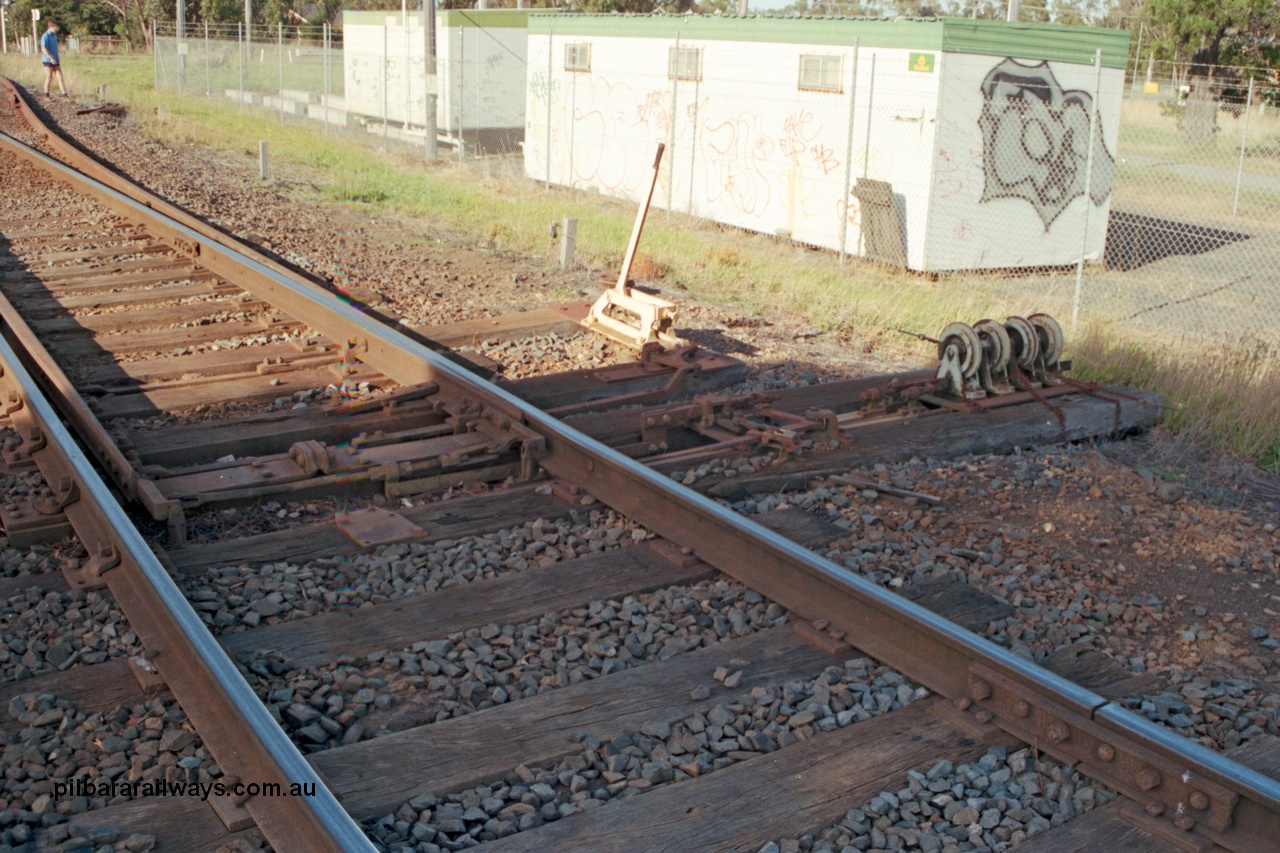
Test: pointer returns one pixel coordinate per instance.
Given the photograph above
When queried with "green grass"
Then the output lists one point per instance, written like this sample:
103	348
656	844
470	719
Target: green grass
1145	131
1229	401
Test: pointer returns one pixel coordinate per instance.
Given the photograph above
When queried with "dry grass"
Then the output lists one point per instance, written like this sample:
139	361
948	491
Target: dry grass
1225	398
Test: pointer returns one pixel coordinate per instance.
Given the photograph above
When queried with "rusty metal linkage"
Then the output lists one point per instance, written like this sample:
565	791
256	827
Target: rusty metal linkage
902	634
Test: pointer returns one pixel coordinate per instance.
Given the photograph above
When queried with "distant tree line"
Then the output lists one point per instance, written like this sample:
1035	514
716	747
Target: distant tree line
1194	33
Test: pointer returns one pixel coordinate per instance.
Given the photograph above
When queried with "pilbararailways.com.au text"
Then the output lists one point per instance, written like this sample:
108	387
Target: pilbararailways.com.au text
164	788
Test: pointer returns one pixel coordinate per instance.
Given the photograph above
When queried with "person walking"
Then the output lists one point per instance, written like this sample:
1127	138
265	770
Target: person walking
49	58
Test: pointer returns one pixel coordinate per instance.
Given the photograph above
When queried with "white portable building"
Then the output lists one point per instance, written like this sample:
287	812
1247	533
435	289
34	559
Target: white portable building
479	78
936	144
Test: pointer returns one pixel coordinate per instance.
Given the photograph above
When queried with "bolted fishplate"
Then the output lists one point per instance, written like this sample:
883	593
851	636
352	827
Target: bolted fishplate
1165	789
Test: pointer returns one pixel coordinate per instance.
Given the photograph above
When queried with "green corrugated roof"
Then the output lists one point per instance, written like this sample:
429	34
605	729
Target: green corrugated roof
951	35
1036	41
489	18
871	32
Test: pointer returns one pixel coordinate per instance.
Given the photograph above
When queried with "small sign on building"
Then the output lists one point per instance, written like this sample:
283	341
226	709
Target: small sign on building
921	62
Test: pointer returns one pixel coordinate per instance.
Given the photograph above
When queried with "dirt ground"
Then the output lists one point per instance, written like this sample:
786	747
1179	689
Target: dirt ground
1121	524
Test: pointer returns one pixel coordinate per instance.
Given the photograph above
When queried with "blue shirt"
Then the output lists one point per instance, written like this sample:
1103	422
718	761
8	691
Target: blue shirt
49	41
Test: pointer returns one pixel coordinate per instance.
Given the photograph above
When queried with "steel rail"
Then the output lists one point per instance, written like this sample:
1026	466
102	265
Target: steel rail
1244	807
231	719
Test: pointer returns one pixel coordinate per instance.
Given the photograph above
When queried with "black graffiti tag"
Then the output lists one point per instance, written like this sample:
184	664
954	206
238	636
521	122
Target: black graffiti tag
1035	140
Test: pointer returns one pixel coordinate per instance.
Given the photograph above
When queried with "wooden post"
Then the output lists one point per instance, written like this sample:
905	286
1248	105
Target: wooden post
568	240
102	93
264	160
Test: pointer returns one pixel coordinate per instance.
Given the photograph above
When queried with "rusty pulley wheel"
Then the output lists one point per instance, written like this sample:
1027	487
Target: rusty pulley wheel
968	345
1049	334
997	349
1025	341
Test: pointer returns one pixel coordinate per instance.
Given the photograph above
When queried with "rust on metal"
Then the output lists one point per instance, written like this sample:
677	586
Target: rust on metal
1048	711
1072	736
375	526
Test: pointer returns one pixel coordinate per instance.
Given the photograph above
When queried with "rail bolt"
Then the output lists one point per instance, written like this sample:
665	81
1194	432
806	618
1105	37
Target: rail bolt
1058	732
1148	778
1107	752
1155	809
984	716
963	703
1022	708
1185	822
1199	800
980	690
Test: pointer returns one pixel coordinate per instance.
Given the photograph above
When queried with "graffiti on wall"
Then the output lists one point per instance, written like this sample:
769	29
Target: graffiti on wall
1035	140
747	161
607	126
737	152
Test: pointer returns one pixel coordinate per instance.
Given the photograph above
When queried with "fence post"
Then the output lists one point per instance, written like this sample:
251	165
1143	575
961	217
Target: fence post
431	98
462	90
572	80
866	149
180	32
671	130
240	61
280	57
208	79
1244	138
264	159
408	88
693	143
1088	187
1133	85
386	41
550	51
155	53
324	37
845	188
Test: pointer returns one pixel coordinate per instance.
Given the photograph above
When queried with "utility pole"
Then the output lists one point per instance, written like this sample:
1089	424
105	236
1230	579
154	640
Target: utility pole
248	22
1015	6
4	29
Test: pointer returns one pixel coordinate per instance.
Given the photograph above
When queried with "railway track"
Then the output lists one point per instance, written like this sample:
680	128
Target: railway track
593	657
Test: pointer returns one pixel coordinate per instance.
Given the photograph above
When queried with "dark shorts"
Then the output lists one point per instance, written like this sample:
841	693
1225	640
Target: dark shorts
52	66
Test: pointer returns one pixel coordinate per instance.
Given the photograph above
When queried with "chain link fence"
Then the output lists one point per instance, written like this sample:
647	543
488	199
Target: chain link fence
1194	233
1147	198
452	91
296	73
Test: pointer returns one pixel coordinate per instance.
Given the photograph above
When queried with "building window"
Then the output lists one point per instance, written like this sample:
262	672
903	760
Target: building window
577	56
820	72
684	63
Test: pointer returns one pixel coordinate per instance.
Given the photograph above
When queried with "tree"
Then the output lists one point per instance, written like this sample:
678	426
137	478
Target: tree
1196	28
94	18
